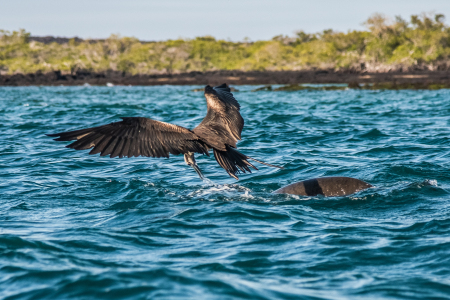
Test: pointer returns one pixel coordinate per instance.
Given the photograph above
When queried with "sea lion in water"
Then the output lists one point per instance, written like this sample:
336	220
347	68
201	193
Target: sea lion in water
326	186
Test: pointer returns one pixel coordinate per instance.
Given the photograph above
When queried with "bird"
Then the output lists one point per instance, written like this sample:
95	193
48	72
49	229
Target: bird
139	136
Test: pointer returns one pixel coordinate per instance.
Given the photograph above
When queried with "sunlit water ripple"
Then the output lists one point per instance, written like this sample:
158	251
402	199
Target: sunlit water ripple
74	226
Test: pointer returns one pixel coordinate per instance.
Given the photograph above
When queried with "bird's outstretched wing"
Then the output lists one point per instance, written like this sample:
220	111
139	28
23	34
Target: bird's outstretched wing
223	123
134	137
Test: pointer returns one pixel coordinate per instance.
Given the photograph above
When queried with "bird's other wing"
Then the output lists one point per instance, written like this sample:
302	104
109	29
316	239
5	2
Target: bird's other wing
134	137
223	93
223	123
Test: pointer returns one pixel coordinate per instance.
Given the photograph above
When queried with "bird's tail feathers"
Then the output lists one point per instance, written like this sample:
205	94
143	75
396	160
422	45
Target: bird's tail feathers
234	162
264	163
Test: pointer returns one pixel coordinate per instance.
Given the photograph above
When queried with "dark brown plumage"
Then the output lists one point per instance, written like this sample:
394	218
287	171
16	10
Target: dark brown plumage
136	136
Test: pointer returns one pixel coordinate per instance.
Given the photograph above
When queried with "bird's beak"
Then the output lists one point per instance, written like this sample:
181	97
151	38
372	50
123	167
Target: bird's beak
197	169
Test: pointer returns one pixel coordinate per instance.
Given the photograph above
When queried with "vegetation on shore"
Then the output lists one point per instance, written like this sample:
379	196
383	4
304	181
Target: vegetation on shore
423	42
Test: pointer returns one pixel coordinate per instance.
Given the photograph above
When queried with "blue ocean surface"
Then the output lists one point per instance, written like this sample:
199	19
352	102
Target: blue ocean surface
79	226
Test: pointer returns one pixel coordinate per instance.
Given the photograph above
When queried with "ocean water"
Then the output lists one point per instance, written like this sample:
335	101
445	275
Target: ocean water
75	226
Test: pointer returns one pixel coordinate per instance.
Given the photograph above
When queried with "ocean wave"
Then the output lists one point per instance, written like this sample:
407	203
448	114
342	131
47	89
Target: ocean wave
75	226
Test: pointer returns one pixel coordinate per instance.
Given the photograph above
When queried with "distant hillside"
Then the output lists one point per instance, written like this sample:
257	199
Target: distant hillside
63	40
51	39
423	42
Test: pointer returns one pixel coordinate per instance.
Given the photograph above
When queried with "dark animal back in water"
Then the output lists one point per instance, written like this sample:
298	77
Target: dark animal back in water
326	186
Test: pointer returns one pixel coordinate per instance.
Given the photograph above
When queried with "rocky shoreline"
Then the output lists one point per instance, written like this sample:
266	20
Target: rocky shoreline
57	78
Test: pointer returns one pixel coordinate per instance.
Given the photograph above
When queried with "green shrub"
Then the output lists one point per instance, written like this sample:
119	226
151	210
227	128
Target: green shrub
422	41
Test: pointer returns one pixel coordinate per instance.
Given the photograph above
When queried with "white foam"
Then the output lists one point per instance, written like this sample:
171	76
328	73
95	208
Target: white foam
247	195
226	189
432	182
208	181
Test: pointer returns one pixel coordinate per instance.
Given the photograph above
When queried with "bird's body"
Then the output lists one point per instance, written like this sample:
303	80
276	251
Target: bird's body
137	136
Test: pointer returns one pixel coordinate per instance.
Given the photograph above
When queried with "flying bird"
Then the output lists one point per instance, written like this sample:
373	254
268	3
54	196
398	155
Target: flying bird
138	136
